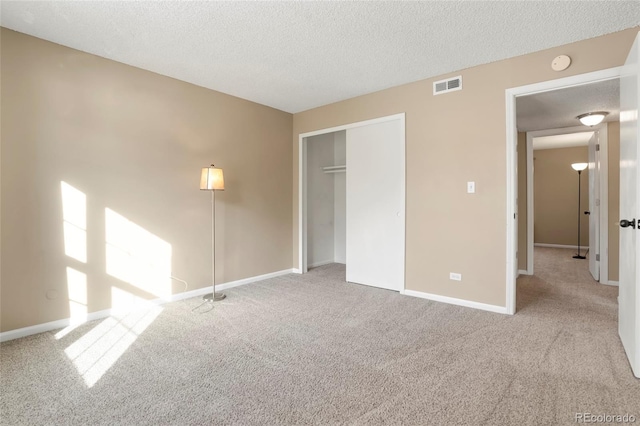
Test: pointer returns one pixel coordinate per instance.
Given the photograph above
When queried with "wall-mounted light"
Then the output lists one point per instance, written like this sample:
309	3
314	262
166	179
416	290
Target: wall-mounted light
592	118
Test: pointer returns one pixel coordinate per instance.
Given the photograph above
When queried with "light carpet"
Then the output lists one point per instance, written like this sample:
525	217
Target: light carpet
312	349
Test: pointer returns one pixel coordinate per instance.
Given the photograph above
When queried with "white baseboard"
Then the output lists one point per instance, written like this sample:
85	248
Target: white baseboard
454	301
62	323
244	281
316	264
52	325
614	283
560	246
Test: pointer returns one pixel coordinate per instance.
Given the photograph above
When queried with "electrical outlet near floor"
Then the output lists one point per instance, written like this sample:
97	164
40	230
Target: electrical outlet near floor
455	277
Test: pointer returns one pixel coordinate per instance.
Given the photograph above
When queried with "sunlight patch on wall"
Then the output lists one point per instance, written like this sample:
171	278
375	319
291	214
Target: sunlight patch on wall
74	216
137	256
77	289
123	303
98	350
74	228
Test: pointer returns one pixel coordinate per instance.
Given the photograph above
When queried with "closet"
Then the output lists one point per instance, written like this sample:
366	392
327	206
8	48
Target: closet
352	196
326	199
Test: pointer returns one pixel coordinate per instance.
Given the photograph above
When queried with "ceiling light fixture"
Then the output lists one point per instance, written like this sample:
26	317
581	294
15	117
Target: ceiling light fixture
592	118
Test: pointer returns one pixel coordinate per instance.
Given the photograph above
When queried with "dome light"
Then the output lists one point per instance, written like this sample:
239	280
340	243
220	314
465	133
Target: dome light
592	118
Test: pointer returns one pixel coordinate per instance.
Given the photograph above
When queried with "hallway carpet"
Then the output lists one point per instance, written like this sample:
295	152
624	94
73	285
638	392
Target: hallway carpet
312	349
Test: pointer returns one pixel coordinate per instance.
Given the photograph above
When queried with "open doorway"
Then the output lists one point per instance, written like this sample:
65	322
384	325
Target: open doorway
552	212
513	171
560	215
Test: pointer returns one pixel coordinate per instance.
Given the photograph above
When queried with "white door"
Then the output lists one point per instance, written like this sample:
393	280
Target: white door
516	216
629	296
375	204
594	208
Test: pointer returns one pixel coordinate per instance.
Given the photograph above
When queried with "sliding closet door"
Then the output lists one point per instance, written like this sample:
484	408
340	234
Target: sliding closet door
375	205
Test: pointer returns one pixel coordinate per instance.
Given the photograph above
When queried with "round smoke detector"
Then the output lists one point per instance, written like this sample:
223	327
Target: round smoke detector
561	63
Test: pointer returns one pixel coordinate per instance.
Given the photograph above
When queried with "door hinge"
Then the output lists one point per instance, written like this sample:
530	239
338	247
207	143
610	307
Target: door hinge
597	258
597	201
598	147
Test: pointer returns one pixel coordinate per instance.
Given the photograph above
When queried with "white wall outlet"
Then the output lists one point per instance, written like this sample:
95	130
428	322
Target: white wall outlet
455	277
471	187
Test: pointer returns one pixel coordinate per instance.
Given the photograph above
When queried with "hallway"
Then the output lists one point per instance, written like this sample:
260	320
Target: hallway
561	282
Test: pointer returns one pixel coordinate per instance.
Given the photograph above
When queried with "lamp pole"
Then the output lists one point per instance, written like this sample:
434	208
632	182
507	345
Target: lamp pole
578	256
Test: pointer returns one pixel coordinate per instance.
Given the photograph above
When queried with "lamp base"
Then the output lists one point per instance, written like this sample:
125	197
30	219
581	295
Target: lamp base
213	297
577	256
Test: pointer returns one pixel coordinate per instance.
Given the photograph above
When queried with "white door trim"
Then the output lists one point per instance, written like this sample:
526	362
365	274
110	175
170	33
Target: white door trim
302	180
530	201
512	174
603	140
604	199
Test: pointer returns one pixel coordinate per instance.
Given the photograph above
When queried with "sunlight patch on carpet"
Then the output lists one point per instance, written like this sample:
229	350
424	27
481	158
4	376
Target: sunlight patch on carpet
98	350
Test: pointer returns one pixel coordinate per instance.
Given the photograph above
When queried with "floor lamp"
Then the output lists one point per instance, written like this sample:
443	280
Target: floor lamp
211	179
579	167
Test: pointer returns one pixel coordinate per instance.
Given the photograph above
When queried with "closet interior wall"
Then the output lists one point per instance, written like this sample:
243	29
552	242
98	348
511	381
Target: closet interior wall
326	200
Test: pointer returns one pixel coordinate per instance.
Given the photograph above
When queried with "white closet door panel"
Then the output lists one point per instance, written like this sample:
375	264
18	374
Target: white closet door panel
375	205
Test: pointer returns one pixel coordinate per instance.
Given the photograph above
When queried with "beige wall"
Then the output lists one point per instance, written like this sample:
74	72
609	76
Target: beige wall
555	195
613	140
134	142
452	139
522	201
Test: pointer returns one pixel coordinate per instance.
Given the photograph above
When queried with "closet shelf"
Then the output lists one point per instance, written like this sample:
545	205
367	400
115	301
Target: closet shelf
334	169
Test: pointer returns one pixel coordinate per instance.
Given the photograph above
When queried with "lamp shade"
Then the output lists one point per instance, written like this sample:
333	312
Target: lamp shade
592	118
578	167
211	179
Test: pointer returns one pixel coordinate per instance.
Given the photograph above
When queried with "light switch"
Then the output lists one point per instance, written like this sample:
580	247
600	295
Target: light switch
471	187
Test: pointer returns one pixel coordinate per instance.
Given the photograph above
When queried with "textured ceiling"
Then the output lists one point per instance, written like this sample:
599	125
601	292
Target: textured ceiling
559	108
298	55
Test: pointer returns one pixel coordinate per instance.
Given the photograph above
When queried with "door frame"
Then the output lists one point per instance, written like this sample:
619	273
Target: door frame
302	181
601	129
512	162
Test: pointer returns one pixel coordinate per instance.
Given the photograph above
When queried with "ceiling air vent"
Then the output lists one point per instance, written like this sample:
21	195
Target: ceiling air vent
448	85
